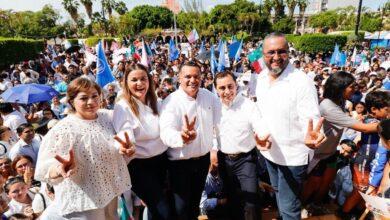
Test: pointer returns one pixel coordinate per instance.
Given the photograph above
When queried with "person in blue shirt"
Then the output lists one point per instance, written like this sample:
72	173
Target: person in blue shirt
378	104
213	198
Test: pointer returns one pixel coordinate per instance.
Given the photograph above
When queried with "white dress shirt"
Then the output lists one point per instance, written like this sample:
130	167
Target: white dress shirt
205	107
22	148
238	124
143	131
286	105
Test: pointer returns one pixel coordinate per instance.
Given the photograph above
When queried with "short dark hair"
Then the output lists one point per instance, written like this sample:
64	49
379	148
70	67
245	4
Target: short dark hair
384	129
377	99
223	75
350	144
6	107
191	63
335	86
21	127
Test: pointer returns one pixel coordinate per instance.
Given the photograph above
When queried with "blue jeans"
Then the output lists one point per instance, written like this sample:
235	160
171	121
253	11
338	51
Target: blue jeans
288	183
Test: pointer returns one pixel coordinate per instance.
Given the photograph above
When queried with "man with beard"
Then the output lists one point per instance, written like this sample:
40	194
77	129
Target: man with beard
187	122
287	100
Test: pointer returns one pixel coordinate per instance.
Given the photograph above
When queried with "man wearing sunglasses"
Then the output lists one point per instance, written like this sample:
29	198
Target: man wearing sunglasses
287	100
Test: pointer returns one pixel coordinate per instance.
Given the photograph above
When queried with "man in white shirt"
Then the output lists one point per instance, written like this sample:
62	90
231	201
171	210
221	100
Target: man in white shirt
189	140
287	100
12	119
27	145
238	133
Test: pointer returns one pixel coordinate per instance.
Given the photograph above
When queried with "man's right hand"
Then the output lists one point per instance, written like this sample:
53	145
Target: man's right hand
188	132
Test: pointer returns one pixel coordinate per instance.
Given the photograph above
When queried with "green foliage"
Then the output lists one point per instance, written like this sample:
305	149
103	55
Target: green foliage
73	41
151	32
324	20
284	25
314	43
15	50
40	24
345	19
92	41
151	16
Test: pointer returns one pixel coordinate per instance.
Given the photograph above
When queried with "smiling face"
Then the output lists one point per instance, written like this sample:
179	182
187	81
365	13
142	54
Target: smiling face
226	89
138	84
86	104
189	79
18	192
275	50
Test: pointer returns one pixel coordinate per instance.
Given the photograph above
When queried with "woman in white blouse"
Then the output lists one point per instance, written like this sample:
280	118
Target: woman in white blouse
137	114
88	181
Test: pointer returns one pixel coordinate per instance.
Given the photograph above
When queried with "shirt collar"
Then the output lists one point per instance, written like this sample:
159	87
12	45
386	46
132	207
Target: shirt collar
234	102
186	96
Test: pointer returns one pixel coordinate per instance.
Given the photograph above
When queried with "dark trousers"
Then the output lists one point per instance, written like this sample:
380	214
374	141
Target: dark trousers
187	179
240	179
148	183
288	182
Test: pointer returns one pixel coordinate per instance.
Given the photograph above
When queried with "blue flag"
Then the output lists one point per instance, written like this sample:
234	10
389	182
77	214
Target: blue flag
202	49
103	75
238	54
335	55
220	44
173	51
213	61
233	48
221	59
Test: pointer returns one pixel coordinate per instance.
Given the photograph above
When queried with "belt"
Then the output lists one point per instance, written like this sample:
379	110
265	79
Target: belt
234	156
237	155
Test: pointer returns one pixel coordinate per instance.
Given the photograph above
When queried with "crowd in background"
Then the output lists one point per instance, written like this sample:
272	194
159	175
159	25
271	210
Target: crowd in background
358	162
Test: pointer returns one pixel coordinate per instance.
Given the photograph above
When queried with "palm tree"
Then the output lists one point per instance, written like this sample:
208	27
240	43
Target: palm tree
267	6
279	9
302	5
88	7
120	8
71	7
291	7
108	6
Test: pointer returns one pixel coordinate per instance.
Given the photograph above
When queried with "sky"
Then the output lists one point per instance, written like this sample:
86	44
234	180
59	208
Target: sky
35	5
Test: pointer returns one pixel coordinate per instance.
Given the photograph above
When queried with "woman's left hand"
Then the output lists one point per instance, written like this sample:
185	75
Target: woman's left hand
127	147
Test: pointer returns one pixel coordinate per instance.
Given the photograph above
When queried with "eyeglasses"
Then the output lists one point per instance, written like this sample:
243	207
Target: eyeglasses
13	180
281	52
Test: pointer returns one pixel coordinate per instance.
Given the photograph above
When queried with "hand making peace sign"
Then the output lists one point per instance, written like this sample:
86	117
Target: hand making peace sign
314	137
127	147
66	167
188	132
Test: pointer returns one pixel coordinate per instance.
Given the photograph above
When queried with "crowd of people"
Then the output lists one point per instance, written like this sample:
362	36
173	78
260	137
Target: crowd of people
172	140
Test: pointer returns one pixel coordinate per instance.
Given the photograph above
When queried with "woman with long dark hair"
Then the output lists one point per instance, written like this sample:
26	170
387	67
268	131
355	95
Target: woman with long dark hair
136	113
338	88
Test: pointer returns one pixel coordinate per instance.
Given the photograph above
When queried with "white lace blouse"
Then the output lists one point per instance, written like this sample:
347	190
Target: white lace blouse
101	173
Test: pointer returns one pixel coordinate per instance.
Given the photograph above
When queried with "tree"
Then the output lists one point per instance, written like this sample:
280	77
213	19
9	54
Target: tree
302	5
291	4
88	7
279	9
71	6
267	7
120	7
151	16
284	25
108	6
193	6
326	20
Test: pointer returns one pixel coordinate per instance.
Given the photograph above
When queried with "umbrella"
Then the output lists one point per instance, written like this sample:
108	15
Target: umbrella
29	93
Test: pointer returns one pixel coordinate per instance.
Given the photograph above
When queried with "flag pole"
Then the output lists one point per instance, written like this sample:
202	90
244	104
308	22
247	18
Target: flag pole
174	21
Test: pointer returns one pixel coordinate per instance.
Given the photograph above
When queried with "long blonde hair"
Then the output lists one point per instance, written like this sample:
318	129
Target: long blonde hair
150	99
